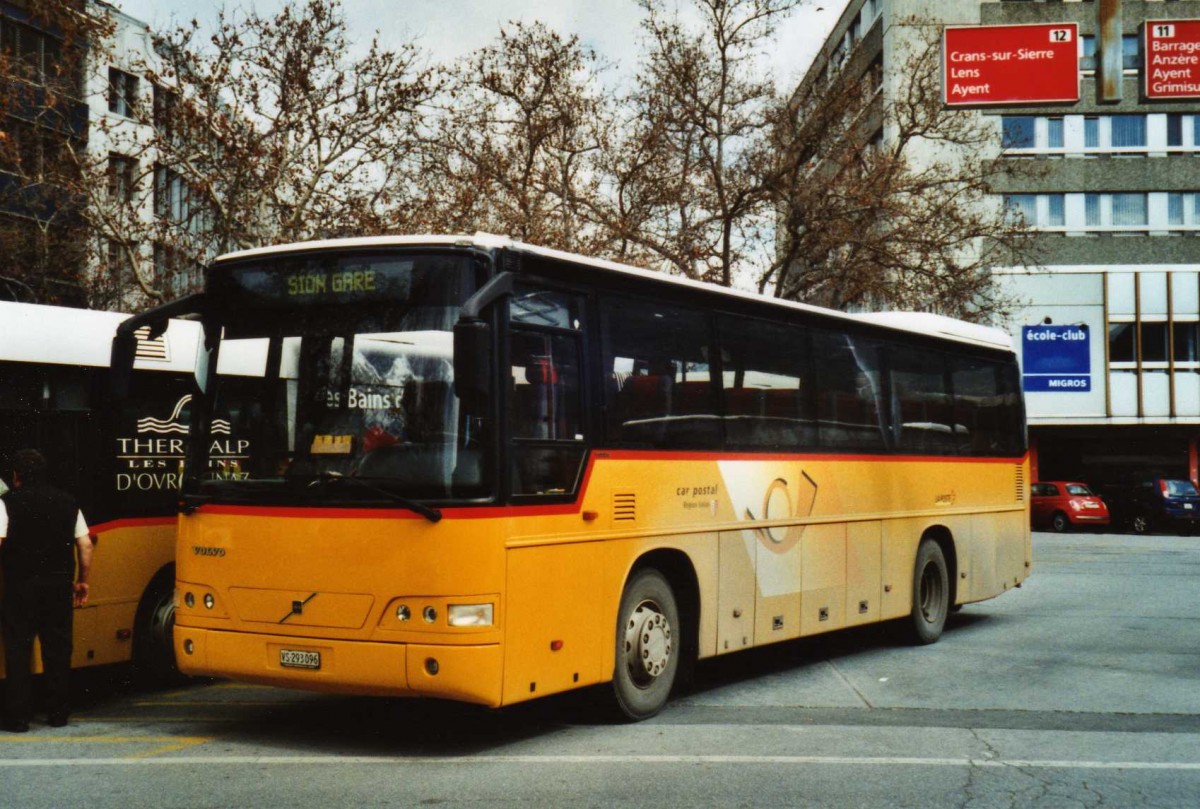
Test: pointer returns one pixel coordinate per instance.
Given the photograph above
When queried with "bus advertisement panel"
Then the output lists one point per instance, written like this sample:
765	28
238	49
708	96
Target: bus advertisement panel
122	460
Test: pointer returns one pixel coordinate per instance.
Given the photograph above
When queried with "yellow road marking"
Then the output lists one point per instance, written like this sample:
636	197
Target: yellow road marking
164	744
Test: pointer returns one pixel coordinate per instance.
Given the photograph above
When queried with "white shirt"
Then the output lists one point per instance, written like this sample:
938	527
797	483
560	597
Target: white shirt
81	529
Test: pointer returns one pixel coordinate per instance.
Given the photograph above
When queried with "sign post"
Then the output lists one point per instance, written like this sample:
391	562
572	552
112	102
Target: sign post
1010	64
1056	359
1172	59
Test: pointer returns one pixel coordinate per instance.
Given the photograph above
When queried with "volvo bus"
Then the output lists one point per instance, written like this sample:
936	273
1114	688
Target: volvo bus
122	460
487	471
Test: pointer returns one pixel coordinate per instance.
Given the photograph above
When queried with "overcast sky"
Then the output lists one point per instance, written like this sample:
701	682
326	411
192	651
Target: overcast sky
450	28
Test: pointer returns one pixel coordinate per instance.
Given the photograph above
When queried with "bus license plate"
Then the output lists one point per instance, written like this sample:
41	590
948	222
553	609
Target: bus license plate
296	659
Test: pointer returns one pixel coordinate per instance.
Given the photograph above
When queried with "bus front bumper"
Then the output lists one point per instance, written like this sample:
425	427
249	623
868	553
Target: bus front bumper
464	673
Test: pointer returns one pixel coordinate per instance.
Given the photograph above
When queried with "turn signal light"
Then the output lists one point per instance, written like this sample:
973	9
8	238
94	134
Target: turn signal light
470	614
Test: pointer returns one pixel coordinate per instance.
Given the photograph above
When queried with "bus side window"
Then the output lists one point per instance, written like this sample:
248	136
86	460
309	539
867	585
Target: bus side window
767	384
921	419
850	403
659	391
987	413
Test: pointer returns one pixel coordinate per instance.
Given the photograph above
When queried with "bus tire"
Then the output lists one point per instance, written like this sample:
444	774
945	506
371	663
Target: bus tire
931	593
153	631
648	645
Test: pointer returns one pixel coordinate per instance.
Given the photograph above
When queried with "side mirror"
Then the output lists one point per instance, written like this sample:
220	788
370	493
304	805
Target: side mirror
124	349
472	361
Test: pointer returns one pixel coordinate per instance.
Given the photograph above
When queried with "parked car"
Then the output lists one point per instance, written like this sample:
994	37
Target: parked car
1062	505
1160	504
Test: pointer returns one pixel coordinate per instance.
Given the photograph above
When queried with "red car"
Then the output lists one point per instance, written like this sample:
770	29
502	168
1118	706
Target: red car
1061	505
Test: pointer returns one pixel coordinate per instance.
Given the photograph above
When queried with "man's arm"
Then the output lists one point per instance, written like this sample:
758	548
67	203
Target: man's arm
83	545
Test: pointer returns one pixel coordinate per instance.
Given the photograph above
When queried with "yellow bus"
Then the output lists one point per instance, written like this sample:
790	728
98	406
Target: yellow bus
487	471
121	460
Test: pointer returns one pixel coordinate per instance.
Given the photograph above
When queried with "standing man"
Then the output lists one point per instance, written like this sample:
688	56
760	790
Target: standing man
41	528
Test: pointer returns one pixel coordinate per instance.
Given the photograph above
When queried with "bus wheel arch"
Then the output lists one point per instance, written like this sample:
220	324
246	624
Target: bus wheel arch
153	628
935	574
656	633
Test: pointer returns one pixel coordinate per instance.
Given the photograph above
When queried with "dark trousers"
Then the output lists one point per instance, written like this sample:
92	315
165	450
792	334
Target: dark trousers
37	606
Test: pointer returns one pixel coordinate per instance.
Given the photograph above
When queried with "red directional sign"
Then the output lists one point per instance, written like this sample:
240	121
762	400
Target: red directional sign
1010	64
1172	59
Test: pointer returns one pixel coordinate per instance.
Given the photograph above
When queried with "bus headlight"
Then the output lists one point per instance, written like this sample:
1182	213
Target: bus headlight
469	614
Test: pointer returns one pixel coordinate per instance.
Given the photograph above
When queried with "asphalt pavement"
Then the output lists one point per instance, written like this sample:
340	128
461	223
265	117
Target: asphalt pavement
1082	688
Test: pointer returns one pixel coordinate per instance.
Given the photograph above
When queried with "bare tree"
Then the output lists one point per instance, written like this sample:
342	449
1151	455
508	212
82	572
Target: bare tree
687	190
43	124
523	123
885	200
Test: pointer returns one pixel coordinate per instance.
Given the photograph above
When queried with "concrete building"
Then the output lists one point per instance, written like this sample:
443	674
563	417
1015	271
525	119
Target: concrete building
1109	326
42	119
76	222
129	102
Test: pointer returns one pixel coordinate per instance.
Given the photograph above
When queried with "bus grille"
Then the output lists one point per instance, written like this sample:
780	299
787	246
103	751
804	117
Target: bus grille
1020	475
151	348
624	506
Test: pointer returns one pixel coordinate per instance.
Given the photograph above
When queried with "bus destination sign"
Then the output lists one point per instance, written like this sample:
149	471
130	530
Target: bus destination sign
1010	64
340	281
1172	59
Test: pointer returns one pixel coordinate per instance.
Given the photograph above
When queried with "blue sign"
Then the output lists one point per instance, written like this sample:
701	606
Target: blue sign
1057	359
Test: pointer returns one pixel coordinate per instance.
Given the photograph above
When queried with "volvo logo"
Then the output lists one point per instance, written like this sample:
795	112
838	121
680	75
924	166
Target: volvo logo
297	608
201	550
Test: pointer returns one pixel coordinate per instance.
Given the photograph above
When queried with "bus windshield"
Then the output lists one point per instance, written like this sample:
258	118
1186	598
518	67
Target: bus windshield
353	358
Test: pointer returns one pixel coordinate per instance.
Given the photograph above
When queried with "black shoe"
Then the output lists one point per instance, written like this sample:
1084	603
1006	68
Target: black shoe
57	720
16	727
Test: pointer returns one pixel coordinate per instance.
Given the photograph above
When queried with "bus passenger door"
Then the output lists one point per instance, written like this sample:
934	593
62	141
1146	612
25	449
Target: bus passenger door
736	589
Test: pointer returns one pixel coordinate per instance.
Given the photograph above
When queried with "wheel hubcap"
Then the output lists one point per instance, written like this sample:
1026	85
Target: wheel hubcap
648	644
931	594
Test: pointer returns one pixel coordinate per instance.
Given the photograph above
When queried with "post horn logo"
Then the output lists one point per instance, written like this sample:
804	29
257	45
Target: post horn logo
780	504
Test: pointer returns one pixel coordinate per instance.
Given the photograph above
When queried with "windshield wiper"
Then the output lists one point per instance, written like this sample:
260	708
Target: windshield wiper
428	512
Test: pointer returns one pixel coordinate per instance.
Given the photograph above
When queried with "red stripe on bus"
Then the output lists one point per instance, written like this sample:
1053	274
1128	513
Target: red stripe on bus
130	522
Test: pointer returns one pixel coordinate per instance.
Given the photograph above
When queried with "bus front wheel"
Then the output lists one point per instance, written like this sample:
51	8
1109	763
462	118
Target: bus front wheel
931	593
648	648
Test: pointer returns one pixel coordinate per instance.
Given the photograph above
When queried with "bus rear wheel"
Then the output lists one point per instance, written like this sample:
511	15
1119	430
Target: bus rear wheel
931	593
648	648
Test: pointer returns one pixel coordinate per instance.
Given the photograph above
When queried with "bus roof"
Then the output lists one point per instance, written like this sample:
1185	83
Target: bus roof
917	322
59	335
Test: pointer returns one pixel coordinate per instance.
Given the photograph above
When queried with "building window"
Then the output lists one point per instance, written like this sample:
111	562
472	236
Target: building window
1129	50
1174	209
1187	348
1056	211
1174	129
1129	210
1091	210
172	196
1128	131
164	111
120	266
1091	132
1054	133
1018	132
122	178
1154	342
122	92
1021	208
1122	342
